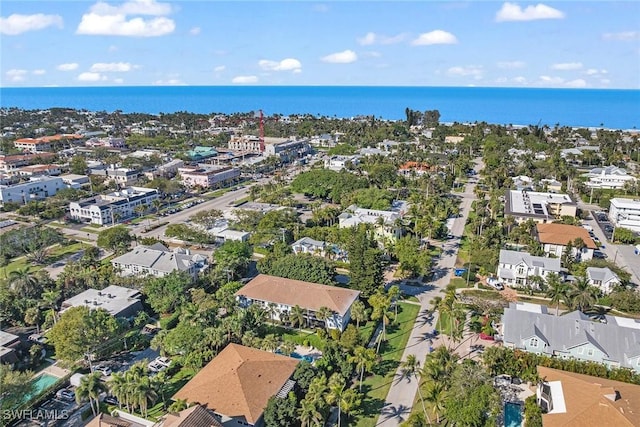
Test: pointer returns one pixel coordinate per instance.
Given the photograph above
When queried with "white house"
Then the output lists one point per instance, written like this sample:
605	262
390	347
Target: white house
337	163
608	177
117	300
282	295
555	237
625	213
602	278
307	245
517	268
385	222
157	260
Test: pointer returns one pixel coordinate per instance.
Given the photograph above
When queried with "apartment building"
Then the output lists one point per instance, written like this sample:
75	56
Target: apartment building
208	176
539	207
625	213
113	207
35	189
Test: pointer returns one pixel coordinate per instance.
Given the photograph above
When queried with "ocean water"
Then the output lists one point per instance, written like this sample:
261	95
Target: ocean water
614	109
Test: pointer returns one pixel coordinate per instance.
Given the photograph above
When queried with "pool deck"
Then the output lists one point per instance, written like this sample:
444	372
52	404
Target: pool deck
55	371
312	352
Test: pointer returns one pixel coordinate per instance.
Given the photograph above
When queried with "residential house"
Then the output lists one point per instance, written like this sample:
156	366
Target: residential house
524	205
35	189
222	232
109	142
284	294
42	144
157	260
8	345
117	300
113	207
386	223
415	169
39	170
556	237
325	140
75	181
625	213
193	416
522	183
612	341
307	245
609	177
337	163
209	176
602	278
551	185
568	399
237	384
517	268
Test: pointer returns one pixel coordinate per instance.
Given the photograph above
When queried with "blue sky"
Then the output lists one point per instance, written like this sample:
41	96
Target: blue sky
401	43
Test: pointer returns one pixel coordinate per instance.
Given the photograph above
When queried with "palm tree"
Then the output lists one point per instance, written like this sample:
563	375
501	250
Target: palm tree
336	392
395	293
556	290
309	414
118	387
411	368
324	314
350	401
381	304
582	294
90	388
436	395
359	312
270	343
364	359
24	282
296	316
143	392
288	347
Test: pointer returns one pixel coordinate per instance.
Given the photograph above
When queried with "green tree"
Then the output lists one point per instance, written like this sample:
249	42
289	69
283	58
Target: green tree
381	304
624	236
165	294
412	260
297	316
207	218
78	165
365	262
81	330
582	295
364	359
324	314
116	239
90	388
359	312
25	282
281	412
233	257
556	290
14	386
411	368
304	267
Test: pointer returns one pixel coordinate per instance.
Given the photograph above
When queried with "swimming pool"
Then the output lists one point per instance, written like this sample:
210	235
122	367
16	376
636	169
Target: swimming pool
299	357
512	415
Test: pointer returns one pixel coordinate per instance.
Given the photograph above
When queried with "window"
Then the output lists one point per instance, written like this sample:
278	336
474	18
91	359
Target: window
580	350
533	342
590	352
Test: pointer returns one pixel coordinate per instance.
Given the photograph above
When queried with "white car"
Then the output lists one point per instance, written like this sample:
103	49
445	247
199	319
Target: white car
104	370
164	361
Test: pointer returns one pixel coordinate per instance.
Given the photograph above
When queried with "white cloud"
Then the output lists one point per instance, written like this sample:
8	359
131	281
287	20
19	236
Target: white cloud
470	70
169	82
244	79
344	57
288	64
67	67
435	37
567	66
194	31
595	72
17	24
118	80
91	77
513	12
511	65
102	67
577	83
16	75
622	36
219	68
104	19
520	80
373	38
39	72
551	80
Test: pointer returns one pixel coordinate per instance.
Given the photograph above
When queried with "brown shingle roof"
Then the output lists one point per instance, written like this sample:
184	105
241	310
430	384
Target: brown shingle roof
195	416
561	234
307	295
104	420
587	403
239	381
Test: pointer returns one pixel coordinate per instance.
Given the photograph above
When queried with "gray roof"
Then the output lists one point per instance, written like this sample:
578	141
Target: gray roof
156	258
603	274
114	299
618	338
515	258
309	243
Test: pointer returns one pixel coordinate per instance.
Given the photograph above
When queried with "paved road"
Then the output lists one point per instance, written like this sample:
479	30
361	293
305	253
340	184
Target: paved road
402	393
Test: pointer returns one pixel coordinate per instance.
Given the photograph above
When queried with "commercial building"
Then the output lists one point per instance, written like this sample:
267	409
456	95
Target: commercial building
117	300
284	294
124	177
288	150
39	170
625	213
75	181
11	164
113	207
245	143
157	260
539	207
35	189
209	176
612	341
237	384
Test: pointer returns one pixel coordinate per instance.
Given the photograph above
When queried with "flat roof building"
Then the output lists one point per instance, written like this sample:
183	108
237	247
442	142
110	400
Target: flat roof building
117	300
539	207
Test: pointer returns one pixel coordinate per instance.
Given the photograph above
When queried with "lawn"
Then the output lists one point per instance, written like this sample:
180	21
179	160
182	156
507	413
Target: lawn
376	387
55	254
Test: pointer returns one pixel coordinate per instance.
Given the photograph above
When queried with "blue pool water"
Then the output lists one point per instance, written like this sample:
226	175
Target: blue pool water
297	356
512	415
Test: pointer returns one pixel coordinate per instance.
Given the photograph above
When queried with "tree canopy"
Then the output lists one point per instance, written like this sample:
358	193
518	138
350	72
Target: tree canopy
304	267
116	238
166	293
327	184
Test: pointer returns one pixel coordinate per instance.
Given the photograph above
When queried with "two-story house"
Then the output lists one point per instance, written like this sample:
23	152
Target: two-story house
555	238
280	295
517	268
602	278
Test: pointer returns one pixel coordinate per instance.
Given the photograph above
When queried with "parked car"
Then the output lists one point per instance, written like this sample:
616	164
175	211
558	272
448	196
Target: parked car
66	394
164	361
156	367
111	400
104	370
